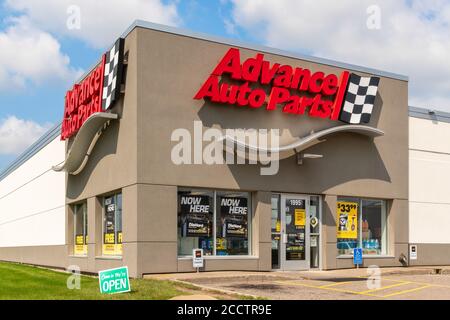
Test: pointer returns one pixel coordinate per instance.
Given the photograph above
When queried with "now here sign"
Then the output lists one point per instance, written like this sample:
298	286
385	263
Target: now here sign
114	280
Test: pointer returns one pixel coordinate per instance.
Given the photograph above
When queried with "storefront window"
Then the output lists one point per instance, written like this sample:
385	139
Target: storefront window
112	225
232	218
373	227
361	223
80	229
219	228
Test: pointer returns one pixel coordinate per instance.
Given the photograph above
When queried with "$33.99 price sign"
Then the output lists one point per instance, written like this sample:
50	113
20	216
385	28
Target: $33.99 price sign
347	220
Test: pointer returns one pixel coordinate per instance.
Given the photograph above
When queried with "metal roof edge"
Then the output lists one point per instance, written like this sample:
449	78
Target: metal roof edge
429	114
242	44
262	48
43	141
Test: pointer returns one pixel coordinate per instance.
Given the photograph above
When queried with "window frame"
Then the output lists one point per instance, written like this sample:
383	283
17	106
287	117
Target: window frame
103	198
75	211
385	252
214	225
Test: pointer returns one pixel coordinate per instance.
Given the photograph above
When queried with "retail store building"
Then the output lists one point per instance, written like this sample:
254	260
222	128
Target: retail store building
110	192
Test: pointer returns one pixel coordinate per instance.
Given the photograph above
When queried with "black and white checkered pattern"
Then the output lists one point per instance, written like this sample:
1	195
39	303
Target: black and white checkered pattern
359	99
113	74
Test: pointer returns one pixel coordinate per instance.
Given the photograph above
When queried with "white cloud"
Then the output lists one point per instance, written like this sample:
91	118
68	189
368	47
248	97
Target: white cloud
101	21
230	27
18	134
28	54
414	38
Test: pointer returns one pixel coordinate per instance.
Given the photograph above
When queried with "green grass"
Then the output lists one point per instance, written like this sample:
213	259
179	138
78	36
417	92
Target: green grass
24	282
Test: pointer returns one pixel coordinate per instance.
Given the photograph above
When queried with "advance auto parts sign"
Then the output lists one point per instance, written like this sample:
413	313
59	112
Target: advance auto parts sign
97	92
195	215
348	97
347	220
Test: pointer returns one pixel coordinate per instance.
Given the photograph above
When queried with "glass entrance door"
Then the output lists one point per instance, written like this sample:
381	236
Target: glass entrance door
295	233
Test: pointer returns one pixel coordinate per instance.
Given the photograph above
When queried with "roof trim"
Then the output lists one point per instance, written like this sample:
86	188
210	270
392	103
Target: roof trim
261	48
37	146
429	114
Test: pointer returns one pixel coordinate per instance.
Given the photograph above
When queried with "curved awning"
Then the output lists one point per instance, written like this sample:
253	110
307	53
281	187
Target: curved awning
84	142
304	143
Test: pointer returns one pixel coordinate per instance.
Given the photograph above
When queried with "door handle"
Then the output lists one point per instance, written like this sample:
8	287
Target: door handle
285	238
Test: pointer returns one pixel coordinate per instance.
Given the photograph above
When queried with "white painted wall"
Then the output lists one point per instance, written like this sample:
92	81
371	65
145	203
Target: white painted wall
429	181
32	201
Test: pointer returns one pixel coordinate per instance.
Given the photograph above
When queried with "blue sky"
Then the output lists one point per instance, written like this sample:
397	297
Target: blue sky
44	103
40	57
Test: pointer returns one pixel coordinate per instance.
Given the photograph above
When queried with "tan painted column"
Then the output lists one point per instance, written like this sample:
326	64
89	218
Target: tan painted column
261	229
129	228
398	228
329	249
155	233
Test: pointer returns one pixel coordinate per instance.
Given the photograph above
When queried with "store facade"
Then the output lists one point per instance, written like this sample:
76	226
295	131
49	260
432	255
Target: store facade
341	181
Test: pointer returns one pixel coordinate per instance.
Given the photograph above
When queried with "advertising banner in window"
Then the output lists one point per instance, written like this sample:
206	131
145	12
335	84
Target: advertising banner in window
234	212
196	227
112	238
233	206
195	216
300	217
194	205
80	244
347	220
234	228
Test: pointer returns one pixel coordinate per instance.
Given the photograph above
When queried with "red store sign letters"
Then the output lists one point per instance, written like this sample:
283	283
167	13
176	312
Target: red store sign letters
299	90
83	100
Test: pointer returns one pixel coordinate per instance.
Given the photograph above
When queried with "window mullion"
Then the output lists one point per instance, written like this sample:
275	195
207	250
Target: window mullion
214	222
360	223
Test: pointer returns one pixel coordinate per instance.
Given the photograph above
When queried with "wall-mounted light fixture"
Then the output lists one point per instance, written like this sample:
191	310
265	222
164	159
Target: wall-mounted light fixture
302	156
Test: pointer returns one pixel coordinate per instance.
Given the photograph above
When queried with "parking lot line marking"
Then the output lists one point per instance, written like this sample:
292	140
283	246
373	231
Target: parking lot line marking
352	292
290	283
386	287
415	282
369	293
334	284
384	279
406	291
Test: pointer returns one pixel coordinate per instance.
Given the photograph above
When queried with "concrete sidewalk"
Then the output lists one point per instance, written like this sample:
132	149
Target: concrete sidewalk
312	275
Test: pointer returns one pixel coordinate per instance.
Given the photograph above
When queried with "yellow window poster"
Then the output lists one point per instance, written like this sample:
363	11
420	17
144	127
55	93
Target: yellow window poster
80	247
300	217
110	247
278	226
347	220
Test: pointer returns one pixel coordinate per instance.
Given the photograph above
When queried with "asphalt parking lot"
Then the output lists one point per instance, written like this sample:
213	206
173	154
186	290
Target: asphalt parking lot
392	284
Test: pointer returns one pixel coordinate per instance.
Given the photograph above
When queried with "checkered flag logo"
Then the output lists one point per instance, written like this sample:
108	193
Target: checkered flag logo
113	74
359	100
